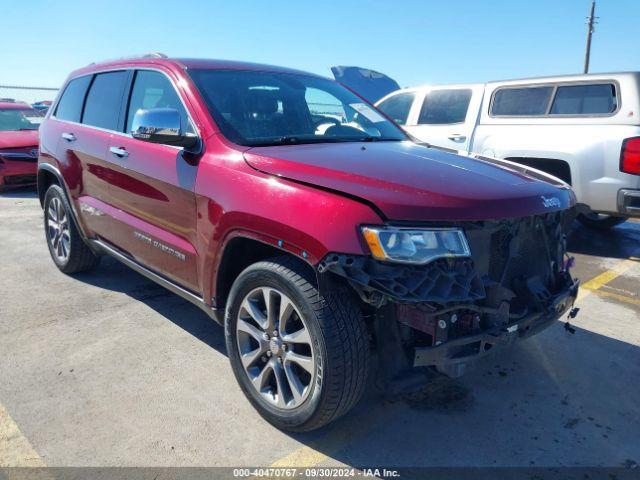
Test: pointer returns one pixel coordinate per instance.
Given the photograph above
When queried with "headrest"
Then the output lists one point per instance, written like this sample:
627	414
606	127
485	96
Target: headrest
262	102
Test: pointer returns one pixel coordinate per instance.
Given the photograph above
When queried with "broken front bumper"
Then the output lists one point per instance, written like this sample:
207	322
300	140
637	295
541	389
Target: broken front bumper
454	356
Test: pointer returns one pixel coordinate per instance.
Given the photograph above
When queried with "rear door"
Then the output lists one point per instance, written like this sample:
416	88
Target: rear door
446	117
152	186
87	110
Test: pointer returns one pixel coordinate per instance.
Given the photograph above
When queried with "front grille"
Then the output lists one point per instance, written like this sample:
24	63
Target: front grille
521	257
20	180
20	154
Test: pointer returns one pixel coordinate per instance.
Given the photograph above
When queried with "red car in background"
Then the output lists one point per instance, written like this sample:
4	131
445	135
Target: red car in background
18	144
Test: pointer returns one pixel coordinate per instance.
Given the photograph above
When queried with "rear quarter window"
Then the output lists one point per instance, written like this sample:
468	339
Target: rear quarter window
397	107
595	99
70	104
526	101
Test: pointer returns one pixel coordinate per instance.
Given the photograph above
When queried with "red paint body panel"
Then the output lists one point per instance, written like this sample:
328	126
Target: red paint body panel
20	142
308	200
411	182
155	186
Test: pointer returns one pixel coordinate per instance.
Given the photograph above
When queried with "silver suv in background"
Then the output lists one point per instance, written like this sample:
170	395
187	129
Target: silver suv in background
583	129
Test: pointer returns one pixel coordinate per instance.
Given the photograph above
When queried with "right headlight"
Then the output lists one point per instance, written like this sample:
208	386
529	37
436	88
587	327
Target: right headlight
418	246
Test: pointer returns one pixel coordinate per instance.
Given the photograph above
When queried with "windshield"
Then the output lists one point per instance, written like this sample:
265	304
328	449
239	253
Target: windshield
14	119
266	108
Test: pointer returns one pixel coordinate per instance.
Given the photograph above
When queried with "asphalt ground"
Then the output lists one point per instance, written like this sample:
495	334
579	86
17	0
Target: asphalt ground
108	369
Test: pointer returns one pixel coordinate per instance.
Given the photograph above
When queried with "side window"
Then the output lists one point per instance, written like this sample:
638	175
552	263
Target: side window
526	101
70	104
102	107
154	90
445	106
398	107
585	100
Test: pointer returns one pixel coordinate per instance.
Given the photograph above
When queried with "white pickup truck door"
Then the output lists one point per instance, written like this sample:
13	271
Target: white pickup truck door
446	117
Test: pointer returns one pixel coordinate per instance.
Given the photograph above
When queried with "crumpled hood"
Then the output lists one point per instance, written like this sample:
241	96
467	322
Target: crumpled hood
410	182
19	139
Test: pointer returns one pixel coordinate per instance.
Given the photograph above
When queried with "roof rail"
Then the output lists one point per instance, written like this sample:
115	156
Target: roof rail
144	55
154	55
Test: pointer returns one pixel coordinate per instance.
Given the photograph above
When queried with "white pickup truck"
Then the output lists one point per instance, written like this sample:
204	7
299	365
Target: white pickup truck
583	129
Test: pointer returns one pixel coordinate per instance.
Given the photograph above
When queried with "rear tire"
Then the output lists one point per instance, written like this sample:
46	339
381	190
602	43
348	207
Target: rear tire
67	248
336	344
599	221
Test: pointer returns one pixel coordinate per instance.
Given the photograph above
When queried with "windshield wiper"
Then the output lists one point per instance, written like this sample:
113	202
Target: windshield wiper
293	140
371	138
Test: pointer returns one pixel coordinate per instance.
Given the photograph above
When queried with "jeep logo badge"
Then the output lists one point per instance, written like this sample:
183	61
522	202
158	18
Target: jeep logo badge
551	202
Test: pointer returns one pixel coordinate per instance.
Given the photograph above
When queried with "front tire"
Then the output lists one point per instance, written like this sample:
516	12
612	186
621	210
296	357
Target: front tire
599	221
67	248
299	354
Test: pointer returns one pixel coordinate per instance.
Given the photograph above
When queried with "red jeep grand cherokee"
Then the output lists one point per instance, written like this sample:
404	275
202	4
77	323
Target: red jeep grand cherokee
18	144
303	220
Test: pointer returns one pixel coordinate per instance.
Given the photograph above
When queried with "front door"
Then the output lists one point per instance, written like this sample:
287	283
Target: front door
152	188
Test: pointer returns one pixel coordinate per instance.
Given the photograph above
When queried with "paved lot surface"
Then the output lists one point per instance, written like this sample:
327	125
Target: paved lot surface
108	369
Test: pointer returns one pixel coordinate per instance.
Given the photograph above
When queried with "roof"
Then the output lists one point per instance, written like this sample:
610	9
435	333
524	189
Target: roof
569	78
524	81
14	106
187	63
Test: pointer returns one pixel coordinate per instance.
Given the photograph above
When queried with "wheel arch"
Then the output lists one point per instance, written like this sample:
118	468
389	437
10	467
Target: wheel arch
48	175
240	250
558	167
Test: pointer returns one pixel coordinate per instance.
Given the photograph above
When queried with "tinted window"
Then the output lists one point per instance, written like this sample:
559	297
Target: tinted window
529	101
70	104
398	107
154	90
444	106
103	101
584	100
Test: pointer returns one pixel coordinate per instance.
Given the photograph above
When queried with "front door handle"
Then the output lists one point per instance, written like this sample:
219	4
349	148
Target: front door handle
119	152
69	137
456	137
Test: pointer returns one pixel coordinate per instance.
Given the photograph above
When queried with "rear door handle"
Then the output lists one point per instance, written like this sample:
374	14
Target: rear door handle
456	137
119	152
69	137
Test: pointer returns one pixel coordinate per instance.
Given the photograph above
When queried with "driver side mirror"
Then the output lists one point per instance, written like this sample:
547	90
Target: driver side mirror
162	125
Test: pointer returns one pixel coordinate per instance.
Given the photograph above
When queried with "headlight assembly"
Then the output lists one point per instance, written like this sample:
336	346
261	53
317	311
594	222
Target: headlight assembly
418	246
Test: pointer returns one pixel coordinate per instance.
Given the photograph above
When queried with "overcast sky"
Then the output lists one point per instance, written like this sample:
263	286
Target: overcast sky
415	42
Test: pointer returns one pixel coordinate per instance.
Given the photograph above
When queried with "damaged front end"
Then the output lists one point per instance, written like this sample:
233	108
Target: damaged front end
449	312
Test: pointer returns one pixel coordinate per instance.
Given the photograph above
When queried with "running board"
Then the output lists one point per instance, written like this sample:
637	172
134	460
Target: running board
159	279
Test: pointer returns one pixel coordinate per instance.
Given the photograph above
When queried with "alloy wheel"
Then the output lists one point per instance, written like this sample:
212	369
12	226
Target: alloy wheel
58	230
275	348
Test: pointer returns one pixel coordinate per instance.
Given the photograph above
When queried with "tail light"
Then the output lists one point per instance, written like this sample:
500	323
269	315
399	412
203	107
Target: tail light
630	156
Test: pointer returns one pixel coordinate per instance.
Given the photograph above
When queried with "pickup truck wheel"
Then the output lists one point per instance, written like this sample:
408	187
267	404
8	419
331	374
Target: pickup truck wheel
299	354
600	221
67	249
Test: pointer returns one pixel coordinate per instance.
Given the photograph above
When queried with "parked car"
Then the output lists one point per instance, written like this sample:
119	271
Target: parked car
42	105
311	244
583	129
18	144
